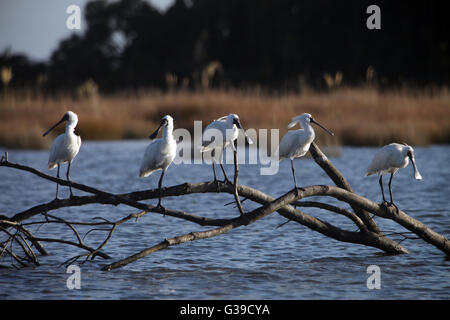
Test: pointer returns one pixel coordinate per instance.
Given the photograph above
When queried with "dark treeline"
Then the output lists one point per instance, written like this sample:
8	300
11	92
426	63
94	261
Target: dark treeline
128	44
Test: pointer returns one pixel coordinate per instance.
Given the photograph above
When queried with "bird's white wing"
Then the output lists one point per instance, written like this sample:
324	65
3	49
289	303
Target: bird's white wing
295	143
56	151
379	162
79	142
210	138
286	143
152	159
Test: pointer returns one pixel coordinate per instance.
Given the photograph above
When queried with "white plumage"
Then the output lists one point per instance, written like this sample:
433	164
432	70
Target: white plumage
228	127
296	143
158	156
389	159
160	152
65	147
225	131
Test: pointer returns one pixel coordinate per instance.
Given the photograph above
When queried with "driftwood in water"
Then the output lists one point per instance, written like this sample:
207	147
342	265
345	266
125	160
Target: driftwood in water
14	228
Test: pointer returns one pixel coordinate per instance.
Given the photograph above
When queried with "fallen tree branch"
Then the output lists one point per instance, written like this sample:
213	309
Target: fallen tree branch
347	213
336	176
246	219
424	232
101	197
253	194
368	232
166	243
17	238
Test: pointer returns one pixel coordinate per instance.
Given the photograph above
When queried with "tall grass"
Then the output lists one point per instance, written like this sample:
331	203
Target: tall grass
358	116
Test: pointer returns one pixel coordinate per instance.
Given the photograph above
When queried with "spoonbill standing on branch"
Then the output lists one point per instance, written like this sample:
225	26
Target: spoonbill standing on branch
228	128
295	143
389	159
65	147
159	153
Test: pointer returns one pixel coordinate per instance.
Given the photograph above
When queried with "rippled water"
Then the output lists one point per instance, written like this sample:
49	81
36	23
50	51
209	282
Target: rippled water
259	261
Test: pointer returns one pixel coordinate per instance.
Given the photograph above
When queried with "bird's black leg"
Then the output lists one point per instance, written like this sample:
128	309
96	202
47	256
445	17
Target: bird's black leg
390	187
160	193
214	170
381	185
217	182
225	178
390	192
57	184
293	174
68	179
224	174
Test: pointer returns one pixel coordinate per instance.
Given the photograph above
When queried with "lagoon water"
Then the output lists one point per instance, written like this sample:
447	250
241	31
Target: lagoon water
259	261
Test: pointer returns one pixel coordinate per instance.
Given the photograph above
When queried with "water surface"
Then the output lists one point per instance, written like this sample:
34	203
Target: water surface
259	261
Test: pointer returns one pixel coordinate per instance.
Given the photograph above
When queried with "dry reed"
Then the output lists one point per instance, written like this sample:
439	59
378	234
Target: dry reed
358	116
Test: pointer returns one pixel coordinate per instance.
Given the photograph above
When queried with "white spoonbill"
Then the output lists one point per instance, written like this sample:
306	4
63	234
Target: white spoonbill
389	159
65	147
228	128
159	153
295	143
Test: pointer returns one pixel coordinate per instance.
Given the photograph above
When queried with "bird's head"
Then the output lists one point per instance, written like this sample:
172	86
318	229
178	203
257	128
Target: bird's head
166	121
69	116
234	119
304	120
408	151
307	117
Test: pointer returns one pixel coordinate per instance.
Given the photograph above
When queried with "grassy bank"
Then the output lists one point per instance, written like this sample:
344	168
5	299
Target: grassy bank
358	116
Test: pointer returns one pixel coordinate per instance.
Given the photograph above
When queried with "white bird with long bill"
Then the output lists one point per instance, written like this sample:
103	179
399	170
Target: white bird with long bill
389	159
228	127
296	143
159	153
65	147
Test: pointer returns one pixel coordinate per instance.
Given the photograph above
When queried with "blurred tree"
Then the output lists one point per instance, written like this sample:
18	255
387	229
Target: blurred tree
129	44
24	73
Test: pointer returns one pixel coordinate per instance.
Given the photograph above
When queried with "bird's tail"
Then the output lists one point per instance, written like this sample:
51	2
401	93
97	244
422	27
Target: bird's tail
52	165
145	173
205	149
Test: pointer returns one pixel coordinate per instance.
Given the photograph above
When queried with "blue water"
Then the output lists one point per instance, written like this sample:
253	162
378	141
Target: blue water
259	261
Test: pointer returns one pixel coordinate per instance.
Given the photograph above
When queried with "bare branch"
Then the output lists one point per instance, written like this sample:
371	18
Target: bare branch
368	232
75	244
17	238
321	159
255	195
347	213
430	236
280	203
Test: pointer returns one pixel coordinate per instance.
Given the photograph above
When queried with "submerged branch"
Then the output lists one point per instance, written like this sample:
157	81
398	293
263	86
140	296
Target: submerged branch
168	242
